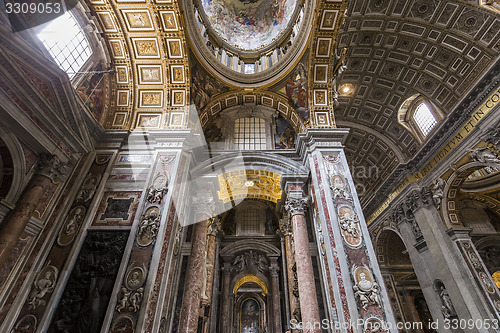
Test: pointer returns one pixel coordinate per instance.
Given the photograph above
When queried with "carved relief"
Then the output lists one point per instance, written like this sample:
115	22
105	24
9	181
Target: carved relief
130	300
437	191
349	225
250	261
149	226
486	282
71	225
88	188
26	324
44	283
339	187
86	296
365	289
158	190
484	155
123	324
132	292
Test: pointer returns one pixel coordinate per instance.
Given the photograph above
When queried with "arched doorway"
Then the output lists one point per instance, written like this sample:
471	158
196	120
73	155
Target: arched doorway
404	290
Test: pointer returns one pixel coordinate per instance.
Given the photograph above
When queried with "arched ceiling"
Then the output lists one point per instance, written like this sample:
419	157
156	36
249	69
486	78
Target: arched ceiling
148	50
396	49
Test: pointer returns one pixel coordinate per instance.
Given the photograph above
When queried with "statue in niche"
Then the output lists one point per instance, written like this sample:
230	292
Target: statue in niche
365	289
447	308
148	227
88	188
484	155
339	187
158	190
437	191
44	283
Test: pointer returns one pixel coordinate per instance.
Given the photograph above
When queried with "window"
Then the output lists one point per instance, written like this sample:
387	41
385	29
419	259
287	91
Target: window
250	133
66	43
249	68
419	116
424	118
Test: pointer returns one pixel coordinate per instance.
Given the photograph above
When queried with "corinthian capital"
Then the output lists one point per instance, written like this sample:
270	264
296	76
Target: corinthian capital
204	204
296	206
50	167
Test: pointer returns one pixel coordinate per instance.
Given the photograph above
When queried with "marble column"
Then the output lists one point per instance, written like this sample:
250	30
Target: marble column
286	232
12	227
212	231
307	289
274	269
194	276
226	281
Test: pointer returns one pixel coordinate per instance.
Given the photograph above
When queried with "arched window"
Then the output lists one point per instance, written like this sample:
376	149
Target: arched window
250	133
424	118
66	43
419	116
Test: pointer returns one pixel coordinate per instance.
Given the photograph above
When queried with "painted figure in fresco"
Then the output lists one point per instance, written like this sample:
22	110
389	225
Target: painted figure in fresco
296	91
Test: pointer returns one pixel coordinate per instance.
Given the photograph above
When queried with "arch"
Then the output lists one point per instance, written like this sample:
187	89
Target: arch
19	166
255	245
249	278
449	206
251	160
267	99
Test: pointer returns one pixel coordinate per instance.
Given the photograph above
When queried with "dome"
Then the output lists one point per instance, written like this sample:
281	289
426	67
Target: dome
249	24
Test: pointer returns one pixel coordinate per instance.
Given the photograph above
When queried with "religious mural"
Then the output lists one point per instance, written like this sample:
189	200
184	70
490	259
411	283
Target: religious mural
213	132
203	87
249	24
250	313
284	137
296	90
86	296
91	92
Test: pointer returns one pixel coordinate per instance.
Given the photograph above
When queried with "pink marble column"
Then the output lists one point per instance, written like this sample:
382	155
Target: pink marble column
13	225
286	231
194	276
226	281
274	269
307	289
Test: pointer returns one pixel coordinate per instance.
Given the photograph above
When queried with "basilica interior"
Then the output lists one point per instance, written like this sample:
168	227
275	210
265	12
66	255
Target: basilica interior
250	166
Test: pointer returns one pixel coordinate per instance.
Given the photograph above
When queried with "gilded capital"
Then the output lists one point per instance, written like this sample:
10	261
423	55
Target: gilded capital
296	206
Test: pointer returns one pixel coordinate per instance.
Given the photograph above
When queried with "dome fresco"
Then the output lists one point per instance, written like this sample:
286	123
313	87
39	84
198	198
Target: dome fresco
249	24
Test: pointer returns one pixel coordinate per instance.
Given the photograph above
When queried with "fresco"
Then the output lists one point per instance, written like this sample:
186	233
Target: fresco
91	92
296	91
203	87
285	135
249	24
213	133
